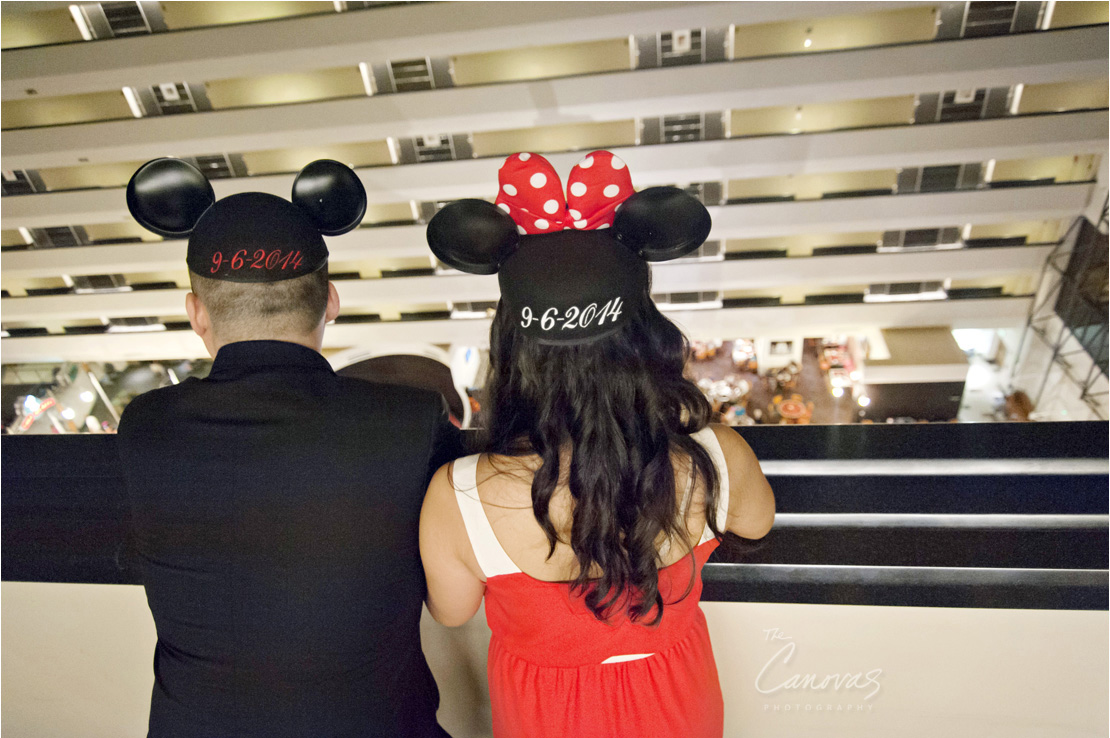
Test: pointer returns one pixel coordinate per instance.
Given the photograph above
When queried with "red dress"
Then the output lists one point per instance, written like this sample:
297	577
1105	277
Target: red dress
556	670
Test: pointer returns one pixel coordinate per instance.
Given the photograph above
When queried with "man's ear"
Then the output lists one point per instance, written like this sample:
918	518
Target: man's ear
198	316
332	310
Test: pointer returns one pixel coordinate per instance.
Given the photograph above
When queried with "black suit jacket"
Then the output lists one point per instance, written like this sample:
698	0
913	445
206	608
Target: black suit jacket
275	508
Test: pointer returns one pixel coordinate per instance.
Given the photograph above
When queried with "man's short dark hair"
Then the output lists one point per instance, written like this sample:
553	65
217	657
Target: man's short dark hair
240	310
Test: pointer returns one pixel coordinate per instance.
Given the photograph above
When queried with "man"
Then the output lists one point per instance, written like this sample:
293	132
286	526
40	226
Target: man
275	504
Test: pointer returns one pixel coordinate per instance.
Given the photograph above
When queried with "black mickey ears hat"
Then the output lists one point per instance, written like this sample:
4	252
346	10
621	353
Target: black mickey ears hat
251	236
568	266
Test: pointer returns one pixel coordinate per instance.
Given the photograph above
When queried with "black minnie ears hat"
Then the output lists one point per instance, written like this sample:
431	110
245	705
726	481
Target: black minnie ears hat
567	268
251	236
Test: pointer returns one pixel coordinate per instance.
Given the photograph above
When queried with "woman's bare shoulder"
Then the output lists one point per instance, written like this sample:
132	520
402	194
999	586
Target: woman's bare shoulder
735	448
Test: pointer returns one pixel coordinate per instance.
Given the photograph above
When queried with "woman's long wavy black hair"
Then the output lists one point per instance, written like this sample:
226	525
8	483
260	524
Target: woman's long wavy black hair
623	405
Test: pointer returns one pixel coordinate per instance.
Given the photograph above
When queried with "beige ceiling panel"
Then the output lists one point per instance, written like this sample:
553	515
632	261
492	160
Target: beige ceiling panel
276	161
539	62
179	277
1061	96
390	212
567	137
280	89
812	186
1079	13
12	237
101	232
838	32
54	111
115	174
1061	168
883	111
186	14
55	26
763	121
1035	231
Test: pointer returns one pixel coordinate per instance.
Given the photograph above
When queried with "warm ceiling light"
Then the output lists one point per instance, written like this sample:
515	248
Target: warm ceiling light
367	80
133	102
838	392
87	396
864	400
79	19
68	413
807	43
1015	99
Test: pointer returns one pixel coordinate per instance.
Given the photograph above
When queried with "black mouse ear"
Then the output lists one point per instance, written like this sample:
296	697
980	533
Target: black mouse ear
332	195
662	223
473	236
168	196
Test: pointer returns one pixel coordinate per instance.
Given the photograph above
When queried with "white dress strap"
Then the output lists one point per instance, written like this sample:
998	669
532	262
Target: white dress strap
487	549
708	439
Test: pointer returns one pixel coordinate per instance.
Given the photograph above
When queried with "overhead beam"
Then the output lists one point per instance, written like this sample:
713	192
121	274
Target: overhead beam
1061	134
895	212
809	320
1050	56
409	31
746	274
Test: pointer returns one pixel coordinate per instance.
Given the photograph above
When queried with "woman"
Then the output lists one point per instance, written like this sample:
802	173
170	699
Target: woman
603	489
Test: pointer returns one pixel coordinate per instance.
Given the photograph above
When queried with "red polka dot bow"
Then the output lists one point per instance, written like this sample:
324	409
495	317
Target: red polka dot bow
532	194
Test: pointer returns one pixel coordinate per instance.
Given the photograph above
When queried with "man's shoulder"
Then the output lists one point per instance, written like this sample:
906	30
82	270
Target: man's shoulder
153	403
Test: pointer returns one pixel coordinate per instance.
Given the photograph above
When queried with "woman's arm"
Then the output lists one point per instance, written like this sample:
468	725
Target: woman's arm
751	503
455	585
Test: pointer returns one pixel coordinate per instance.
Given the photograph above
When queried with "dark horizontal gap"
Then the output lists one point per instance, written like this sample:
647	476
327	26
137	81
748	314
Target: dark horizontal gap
1015	183
960	547
1043	440
178	325
761	199
876	192
26	332
428	315
366	318
340	276
748	302
43	291
115	241
1048	494
976	243
418	272
837	299
843	250
144	286
756	254
85	329
723	583
973	293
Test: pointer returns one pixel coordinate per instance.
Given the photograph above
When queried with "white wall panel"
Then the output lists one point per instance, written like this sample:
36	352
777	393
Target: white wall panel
730	221
704	161
747	274
808	320
843	75
306	43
